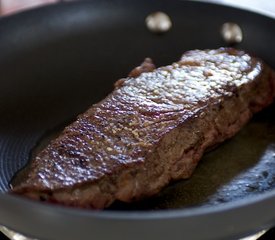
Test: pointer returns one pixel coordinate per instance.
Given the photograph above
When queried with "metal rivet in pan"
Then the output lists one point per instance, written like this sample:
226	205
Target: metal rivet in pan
231	33
158	22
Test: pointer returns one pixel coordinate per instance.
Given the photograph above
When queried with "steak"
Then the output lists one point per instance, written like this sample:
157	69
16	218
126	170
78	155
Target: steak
152	129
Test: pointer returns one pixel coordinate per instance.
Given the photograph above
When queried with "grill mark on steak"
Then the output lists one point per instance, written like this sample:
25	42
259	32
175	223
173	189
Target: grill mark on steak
152	129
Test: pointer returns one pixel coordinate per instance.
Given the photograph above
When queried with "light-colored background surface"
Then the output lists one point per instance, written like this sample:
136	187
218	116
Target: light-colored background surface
265	6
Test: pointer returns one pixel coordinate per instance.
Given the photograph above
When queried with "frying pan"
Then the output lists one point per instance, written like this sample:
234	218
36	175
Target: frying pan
57	60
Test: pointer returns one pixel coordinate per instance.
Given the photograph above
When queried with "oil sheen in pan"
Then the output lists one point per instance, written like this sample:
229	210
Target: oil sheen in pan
241	167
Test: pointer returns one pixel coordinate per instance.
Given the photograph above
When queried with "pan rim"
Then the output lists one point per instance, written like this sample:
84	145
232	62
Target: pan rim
255	202
195	211
190	211
25	12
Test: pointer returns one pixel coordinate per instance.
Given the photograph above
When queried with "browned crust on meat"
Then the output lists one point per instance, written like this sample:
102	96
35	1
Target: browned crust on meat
152	129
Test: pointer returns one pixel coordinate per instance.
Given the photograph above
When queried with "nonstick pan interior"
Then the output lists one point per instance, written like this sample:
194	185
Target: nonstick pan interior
56	61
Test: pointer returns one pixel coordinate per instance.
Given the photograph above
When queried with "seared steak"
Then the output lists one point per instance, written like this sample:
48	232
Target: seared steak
152	129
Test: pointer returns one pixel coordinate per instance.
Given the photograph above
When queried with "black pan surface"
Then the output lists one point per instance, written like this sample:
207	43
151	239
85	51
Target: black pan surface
57	60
